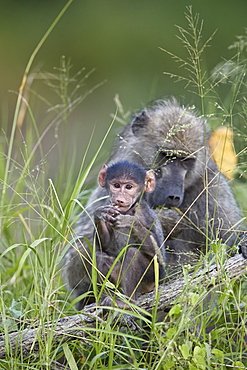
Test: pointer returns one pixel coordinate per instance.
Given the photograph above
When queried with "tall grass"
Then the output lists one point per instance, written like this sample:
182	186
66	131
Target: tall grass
37	222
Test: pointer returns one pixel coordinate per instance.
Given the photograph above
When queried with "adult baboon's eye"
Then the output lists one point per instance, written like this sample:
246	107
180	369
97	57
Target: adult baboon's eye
168	156
188	161
164	154
162	159
158	173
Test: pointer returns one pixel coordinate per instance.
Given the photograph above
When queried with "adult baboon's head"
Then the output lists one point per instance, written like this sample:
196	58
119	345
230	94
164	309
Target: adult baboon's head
172	141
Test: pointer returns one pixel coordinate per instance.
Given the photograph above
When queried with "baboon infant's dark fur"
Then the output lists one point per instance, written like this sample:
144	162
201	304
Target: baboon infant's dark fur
173	141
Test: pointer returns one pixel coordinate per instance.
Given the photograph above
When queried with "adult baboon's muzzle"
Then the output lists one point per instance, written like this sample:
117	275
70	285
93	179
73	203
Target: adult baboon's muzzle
173	195
166	194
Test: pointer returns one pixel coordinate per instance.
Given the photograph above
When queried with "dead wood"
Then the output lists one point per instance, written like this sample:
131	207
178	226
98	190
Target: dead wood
78	326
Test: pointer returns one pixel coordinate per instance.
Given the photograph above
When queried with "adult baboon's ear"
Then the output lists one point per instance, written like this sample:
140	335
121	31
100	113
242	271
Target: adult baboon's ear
101	176
139	122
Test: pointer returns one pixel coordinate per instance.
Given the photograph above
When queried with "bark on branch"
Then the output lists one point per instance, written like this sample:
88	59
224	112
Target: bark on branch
77	326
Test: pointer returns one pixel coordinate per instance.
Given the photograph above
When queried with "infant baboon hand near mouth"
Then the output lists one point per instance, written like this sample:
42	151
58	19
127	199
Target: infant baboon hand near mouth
107	214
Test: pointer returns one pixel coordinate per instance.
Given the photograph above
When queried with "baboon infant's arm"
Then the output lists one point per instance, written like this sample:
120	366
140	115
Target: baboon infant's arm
141	228
105	217
144	234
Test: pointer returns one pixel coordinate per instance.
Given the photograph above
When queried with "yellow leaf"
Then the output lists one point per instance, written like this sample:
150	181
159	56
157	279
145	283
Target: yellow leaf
222	150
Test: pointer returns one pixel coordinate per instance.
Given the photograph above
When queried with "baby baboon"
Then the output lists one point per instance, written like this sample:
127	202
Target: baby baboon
128	221
173	141
125	221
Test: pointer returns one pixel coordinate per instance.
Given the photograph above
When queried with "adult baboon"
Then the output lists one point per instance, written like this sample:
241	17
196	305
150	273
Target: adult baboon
173	141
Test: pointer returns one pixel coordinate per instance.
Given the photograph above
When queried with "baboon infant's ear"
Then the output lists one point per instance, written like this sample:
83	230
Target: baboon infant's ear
149	181
101	176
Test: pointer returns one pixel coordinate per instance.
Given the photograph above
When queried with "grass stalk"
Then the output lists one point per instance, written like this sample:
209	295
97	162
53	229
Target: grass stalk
20	95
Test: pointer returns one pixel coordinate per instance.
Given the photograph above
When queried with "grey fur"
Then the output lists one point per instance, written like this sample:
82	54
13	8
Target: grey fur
194	186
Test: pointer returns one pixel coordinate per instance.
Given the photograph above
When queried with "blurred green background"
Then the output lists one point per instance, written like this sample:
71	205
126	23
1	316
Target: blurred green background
122	41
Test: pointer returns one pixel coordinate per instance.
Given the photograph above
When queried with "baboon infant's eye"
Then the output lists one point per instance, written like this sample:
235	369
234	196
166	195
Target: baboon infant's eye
116	185
128	186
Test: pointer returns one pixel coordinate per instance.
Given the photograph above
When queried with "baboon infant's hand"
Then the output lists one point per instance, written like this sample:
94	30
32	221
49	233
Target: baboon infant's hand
107	214
123	221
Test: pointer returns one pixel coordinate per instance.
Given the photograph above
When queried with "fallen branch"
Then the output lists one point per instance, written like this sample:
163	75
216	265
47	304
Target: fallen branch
77	326
233	267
